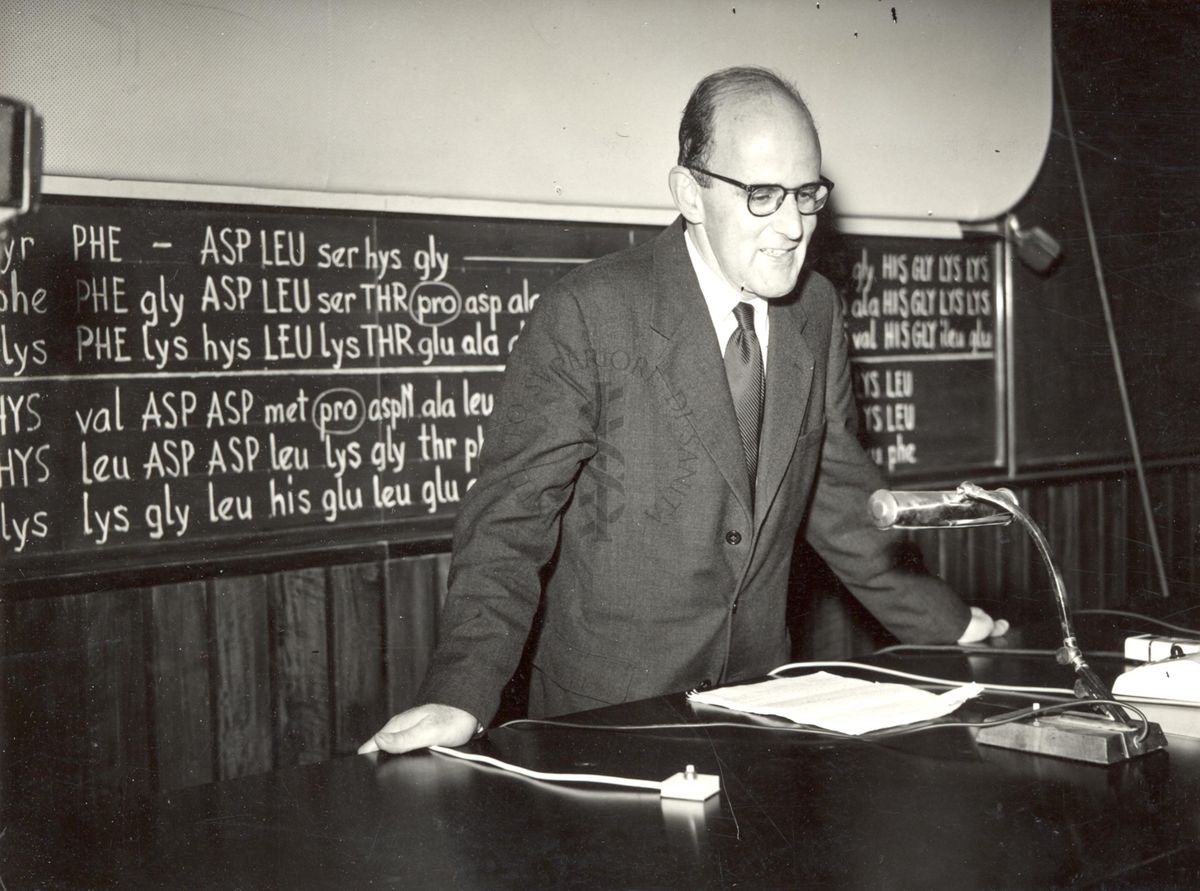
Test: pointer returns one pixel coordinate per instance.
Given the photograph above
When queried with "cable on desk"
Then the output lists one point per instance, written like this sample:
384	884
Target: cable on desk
600	779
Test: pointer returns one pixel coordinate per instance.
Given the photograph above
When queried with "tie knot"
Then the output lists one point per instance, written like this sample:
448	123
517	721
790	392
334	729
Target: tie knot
744	313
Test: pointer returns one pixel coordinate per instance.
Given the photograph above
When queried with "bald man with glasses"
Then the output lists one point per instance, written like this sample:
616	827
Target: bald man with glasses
672	418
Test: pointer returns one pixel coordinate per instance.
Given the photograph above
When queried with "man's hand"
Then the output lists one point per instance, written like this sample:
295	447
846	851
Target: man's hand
425	725
982	627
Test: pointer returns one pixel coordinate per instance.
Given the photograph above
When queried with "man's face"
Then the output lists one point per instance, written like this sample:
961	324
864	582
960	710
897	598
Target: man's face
758	140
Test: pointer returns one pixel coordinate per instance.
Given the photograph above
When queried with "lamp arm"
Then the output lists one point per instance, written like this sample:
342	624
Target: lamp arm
1088	684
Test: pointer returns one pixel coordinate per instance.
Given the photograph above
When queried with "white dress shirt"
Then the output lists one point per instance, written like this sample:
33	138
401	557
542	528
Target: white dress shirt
721	297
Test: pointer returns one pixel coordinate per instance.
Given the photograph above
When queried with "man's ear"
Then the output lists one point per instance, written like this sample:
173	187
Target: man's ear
686	194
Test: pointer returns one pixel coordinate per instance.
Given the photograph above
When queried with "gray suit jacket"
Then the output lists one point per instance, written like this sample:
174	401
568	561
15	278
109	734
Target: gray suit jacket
613	485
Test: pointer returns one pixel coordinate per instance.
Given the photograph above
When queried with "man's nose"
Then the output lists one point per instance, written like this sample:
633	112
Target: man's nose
788	221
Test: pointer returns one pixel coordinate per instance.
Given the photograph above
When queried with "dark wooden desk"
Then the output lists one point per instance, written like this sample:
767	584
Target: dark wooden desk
931	810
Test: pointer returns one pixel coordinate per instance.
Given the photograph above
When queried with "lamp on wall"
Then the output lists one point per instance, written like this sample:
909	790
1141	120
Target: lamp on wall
1036	248
20	159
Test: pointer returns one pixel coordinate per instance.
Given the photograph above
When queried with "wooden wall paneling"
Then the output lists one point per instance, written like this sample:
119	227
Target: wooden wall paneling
1113	542
8	666
1026	577
412	606
970	570
997	556
828	629
356	624
1158	484
956	556
1056	528
935	552
44	669
984	567
1138	566
1159	506
1062	531
1009	542
1091	530
929	544
241	677
995	552
1164	497
181	693
441	576
1188	518
1121	539
941	565
971	576
1183	531
1177	551
116	717
1064	535
300	666
1162	501
1091	544
1180	570
970	560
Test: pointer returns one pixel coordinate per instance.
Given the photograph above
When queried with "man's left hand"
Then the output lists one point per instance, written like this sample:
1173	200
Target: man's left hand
982	626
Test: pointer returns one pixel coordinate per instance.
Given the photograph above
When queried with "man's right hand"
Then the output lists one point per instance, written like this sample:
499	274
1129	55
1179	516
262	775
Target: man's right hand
425	725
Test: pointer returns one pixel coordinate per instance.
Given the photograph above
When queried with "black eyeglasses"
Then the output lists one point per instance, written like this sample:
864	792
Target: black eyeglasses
763	199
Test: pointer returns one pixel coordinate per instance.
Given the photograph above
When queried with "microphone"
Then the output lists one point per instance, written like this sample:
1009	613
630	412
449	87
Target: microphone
935	510
1107	740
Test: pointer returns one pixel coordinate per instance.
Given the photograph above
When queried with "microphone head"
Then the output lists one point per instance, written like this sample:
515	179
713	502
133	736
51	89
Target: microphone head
935	510
884	508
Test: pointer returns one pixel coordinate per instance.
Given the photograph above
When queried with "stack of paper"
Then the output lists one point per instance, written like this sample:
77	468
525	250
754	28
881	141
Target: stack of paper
845	705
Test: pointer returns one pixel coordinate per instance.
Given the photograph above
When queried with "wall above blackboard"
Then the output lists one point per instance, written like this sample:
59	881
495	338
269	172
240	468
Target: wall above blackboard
184	383
422	98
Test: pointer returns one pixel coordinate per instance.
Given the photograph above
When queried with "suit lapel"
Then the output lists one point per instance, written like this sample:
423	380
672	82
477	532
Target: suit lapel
689	360
789	389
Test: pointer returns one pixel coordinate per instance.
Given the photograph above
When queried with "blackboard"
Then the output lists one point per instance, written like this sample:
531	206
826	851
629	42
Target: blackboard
186	382
183	380
925	322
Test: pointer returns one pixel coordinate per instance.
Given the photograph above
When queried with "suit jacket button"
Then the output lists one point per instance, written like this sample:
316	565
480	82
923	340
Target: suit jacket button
705	684
733	537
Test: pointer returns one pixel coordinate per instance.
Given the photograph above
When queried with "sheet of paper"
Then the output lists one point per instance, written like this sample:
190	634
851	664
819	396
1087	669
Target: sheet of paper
845	705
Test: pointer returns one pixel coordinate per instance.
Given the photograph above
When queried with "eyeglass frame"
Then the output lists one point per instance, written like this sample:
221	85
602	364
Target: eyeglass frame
749	188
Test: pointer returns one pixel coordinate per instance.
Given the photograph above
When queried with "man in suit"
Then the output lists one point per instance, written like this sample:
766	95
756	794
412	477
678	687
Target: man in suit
672	417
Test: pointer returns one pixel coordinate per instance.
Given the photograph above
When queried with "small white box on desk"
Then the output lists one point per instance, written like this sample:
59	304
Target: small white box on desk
1155	647
690	786
1168	691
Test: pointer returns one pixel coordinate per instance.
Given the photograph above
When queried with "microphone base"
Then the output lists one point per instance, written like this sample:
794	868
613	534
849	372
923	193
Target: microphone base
1075	736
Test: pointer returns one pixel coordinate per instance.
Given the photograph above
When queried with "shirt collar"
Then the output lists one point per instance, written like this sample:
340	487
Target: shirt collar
719	295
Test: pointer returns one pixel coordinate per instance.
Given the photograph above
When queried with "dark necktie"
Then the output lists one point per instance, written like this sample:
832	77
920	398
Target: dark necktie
747	383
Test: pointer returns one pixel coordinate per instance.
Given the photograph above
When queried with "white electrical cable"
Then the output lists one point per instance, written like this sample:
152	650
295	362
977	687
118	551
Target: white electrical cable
1007	688
549	777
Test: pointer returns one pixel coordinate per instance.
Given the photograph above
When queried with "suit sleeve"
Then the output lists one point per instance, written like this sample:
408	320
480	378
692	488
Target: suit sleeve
915	606
538	437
